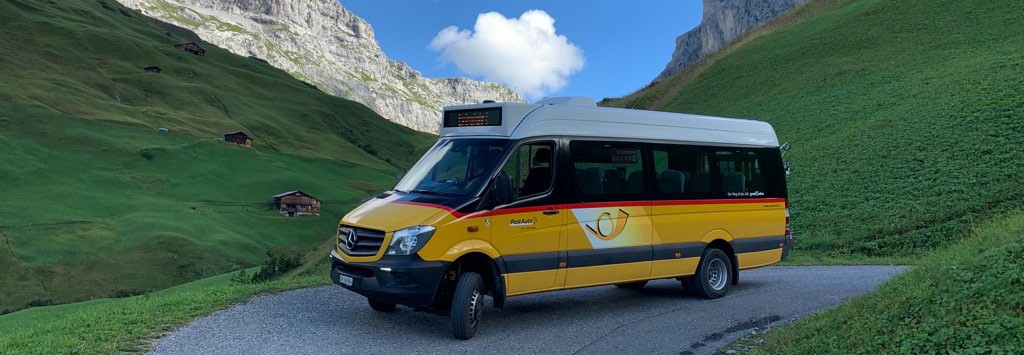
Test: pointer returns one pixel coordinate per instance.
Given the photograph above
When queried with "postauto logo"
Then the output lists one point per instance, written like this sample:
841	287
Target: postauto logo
608	227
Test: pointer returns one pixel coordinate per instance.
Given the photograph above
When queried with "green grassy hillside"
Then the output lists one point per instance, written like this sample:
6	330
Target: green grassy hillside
98	203
964	300
906	117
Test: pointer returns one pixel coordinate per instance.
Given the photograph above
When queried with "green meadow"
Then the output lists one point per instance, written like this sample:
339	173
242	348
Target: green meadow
97	202
906	117
907	121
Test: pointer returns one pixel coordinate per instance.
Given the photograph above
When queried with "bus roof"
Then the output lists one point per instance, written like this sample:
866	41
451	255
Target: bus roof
580	117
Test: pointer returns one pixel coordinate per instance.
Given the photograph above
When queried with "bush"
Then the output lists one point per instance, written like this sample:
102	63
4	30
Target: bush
276	265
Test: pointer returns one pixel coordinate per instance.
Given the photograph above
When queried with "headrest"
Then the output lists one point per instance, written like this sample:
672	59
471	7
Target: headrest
542	156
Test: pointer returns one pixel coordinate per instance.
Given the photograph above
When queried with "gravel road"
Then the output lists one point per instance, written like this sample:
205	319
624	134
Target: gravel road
658	319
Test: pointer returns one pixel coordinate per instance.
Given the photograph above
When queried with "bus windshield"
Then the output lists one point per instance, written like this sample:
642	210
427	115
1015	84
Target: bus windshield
454	167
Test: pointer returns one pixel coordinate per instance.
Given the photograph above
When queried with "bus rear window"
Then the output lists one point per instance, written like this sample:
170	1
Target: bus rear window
748	173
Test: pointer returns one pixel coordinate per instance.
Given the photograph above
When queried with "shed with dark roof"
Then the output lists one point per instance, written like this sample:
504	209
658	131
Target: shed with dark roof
239	138
296	203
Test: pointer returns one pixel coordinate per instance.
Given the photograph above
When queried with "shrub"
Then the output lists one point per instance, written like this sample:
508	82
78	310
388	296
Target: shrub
276	265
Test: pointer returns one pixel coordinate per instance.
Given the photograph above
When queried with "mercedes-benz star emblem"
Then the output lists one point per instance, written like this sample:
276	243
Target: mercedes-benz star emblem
351	239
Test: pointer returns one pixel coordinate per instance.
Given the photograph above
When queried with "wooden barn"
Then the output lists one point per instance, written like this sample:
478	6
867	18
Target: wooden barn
296	203
191	47
239	138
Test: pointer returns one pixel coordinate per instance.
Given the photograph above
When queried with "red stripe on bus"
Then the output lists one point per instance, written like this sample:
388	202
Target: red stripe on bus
458	214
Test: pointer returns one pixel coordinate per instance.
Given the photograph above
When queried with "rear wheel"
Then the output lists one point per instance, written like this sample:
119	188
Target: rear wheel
381	306
467	304
713	275
632	285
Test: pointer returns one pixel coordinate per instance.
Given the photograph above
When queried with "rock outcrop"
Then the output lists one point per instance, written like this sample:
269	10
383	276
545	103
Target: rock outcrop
321	42
723	21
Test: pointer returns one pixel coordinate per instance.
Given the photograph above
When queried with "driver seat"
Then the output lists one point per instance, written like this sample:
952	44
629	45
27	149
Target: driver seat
539	178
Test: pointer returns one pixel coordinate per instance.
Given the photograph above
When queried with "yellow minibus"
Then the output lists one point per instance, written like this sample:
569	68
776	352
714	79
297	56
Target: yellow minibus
518	198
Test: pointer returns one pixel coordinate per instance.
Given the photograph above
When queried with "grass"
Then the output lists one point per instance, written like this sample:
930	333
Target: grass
906	118
963	300
100	204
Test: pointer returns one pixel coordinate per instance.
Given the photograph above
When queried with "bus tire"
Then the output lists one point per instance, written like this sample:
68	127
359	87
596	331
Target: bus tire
381	306
713	277
467	303
632	285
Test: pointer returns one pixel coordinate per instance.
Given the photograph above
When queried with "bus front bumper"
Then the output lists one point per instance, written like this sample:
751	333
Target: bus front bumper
406	280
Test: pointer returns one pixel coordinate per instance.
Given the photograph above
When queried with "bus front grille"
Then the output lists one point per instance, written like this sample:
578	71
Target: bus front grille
367	242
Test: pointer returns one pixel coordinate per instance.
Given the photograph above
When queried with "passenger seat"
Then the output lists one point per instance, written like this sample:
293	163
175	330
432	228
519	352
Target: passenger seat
592	181
635	183
614	182
701	183
733	181
671	182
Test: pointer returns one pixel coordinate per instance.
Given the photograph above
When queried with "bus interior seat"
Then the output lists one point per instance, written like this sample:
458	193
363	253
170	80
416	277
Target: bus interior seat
733	181
591	181
671	181
756	182
701	182
539	178
614	182
635	183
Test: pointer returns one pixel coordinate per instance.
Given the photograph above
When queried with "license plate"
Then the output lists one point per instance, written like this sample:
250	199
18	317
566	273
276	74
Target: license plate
345	280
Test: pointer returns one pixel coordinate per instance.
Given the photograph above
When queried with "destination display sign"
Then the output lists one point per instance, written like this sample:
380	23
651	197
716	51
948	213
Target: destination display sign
473	117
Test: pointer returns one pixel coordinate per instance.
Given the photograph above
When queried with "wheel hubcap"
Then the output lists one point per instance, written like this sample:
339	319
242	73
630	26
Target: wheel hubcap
474	311
717	274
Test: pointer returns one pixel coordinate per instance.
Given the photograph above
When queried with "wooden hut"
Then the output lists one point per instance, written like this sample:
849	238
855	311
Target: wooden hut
296	203
154	70
191	47
239	138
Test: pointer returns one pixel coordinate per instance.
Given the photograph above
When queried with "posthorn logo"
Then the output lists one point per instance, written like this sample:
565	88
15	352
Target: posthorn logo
610	229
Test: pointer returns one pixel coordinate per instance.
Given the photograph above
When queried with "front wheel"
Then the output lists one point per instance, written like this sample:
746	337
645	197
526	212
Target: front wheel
467	303
713	275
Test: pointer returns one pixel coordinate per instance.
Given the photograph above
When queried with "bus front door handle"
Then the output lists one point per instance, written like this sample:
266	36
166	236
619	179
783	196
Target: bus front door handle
550	211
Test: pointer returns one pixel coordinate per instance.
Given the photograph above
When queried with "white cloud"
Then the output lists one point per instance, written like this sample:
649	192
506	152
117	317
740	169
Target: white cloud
524	53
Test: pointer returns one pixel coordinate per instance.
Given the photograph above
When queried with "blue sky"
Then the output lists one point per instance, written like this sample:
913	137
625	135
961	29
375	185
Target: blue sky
624	44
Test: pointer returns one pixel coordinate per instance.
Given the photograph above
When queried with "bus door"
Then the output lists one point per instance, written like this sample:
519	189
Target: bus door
529	231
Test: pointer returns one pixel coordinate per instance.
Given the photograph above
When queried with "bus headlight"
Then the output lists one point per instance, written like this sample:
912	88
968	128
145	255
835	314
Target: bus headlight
410	240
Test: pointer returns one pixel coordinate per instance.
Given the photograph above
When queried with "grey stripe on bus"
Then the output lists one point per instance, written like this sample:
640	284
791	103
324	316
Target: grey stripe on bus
612	256
750	245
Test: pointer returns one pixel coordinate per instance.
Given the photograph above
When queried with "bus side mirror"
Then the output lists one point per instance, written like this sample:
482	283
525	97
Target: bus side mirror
501	190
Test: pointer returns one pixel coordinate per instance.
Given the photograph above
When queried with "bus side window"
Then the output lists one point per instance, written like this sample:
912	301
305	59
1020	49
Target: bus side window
529	168
682	172
608	171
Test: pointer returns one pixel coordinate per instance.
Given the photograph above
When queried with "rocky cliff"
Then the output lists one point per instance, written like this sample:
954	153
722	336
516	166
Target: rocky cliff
321	42
723	21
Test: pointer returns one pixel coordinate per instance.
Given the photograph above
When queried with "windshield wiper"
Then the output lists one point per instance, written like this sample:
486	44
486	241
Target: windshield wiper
429	192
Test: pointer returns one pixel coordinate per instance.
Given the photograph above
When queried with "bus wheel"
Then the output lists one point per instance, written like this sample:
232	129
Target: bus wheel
632	285
712	277
381	306
467	303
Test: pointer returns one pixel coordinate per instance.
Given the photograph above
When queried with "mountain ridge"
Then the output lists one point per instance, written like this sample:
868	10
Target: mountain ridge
322	42
723	21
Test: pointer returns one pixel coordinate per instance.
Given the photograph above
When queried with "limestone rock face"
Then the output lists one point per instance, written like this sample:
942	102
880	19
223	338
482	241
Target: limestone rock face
723	21
321	42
